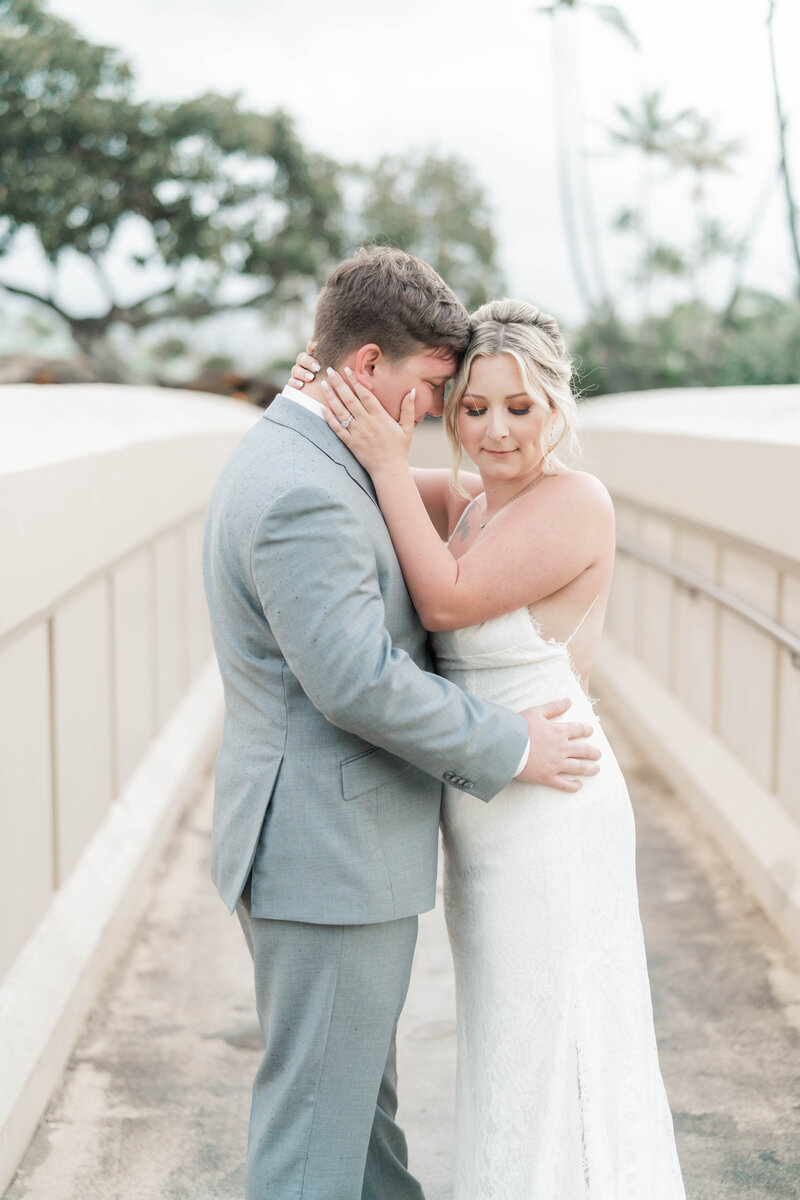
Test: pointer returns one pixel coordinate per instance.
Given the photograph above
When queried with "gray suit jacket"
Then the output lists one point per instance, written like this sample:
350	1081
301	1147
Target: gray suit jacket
337	734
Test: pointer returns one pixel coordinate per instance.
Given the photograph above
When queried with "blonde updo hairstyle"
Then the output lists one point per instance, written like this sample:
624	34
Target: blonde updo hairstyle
534	340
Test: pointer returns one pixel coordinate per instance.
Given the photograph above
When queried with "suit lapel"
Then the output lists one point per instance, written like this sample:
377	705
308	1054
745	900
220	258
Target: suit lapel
284	411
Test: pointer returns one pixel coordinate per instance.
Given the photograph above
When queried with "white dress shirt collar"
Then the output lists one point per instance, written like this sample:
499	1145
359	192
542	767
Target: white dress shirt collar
304	401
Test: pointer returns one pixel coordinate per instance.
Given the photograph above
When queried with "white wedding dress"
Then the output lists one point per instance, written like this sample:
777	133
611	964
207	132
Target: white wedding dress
559	1094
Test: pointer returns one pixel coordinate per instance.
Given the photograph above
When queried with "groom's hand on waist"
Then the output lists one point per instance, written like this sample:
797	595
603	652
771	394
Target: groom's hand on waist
559	750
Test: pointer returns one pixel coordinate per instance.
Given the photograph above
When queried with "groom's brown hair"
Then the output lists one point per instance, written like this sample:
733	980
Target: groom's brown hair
388	297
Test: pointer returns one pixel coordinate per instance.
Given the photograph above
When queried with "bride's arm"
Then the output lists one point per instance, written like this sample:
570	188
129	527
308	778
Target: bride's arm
540	544
442	504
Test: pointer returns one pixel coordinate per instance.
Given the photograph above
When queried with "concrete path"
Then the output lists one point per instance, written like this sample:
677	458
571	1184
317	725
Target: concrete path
154	1105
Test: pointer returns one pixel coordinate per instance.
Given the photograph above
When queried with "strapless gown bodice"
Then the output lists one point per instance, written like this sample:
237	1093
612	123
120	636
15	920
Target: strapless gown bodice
509	661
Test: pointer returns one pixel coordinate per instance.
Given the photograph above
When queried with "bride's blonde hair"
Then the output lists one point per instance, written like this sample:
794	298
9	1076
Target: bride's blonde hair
534	340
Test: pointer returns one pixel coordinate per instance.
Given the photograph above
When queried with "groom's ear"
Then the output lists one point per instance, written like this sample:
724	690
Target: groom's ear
367	359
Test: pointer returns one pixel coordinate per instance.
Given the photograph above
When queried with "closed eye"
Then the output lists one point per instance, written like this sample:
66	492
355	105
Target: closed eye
515	412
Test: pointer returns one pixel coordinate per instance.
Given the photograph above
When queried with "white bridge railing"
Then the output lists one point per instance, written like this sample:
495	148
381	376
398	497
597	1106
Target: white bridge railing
110	702
694	584
702	653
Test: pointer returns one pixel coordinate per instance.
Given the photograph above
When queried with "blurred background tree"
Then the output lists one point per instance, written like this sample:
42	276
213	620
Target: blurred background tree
677	142
672	144
224	207
750	338
785	170
215	191
185	210
760	343
433	207
581	227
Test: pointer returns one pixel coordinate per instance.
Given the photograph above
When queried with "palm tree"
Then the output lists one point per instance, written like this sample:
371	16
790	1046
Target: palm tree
648	130
684	140
787	182
577	206
696	148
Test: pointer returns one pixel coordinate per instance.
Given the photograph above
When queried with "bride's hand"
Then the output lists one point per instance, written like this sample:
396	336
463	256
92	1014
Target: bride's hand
305	367
359	420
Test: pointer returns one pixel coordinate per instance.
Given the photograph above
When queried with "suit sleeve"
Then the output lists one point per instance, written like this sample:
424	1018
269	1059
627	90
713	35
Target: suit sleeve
316	577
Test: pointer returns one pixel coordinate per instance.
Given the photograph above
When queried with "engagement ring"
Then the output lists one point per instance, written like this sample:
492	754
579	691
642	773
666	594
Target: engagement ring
346	424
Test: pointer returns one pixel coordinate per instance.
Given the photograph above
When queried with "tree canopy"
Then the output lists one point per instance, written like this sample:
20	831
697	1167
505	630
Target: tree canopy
434	208
230	209
220	190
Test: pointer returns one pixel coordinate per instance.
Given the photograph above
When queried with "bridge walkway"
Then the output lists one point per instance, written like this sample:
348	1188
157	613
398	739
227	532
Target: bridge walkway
154	1104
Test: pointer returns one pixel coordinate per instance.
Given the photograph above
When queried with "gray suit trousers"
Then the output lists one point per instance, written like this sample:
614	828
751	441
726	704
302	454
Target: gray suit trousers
322	1123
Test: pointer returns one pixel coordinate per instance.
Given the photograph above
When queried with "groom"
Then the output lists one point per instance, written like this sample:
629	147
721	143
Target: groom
337	740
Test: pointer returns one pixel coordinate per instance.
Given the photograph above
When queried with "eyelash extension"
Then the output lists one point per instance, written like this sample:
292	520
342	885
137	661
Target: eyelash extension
515	412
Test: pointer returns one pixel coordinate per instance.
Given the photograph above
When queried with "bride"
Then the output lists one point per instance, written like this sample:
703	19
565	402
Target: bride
559	1094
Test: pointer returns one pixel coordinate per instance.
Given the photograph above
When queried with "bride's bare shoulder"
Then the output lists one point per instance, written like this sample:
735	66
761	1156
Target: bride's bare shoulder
583	491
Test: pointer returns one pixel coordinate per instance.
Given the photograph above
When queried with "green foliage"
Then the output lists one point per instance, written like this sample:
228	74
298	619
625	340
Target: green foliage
217	362
685	139
221	188
647	128
691	346
681	141
660	258
761	342
226	194
169	348
433	207
60	100
80	155
755	339
220	193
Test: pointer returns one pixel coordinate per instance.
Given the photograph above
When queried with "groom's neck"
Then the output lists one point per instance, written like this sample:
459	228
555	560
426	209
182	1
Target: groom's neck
315	390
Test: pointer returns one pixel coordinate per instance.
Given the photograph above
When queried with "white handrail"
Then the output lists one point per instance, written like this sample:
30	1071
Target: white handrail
695	583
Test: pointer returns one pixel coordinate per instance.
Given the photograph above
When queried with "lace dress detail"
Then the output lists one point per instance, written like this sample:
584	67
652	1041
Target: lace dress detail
559	1094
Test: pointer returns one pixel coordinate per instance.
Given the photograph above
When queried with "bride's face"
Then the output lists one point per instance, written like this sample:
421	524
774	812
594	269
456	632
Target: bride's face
499	425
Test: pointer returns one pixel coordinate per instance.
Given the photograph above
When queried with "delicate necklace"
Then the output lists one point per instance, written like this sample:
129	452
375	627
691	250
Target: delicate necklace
516	496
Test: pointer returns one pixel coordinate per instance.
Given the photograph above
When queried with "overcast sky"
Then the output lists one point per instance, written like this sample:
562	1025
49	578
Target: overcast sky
363	78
